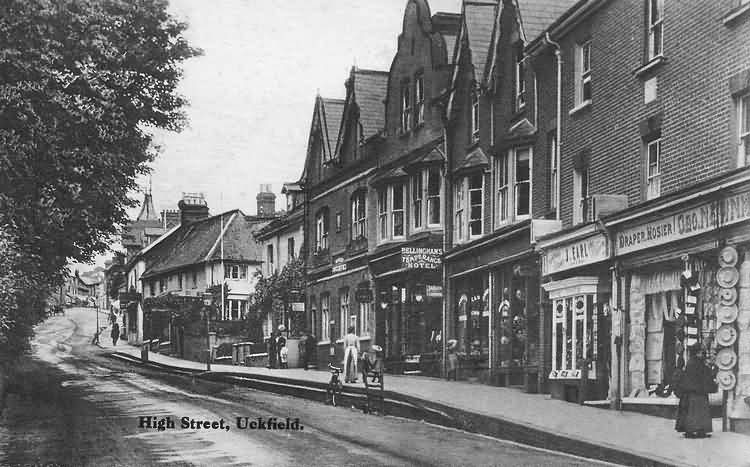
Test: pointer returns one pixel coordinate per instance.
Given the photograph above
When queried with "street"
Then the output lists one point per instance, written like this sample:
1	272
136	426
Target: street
76	406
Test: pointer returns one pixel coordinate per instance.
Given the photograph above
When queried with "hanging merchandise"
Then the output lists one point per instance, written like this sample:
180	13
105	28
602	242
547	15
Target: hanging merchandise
726	335
726	314
726	380
726	359
728	297
728	257
727	277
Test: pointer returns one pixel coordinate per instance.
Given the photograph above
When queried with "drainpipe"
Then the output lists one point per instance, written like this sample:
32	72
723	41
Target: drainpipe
558	130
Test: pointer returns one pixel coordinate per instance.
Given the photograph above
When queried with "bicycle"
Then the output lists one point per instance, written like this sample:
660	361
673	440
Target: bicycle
335	388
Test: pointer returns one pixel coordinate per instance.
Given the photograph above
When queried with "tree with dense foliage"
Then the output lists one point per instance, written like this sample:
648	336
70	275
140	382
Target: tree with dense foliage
274	294
82	83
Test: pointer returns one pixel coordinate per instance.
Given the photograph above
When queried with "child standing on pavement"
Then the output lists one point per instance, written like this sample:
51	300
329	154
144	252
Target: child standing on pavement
284	356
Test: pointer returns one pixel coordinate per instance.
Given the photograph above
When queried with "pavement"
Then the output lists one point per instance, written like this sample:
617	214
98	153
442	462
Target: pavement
536	419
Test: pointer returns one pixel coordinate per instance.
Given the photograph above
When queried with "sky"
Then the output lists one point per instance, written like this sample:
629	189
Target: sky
252	92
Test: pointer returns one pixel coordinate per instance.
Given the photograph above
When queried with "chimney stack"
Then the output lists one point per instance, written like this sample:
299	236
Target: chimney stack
266	201
193	207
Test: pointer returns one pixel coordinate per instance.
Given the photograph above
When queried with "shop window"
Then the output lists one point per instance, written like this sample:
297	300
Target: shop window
325	317
743	126
653	169
344	311
363	329
655	28
321	230
574	336
359	215
472	318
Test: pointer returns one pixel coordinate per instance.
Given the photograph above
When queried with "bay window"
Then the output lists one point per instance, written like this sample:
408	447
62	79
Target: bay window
391	211
237	271
469	206
513	181
397	210
425	189
383	214
522	191
235	309
359	215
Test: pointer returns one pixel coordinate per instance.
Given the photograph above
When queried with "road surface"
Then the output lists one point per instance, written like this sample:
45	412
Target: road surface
71	404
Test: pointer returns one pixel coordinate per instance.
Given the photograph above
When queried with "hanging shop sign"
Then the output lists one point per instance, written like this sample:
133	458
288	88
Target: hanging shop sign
338	266
684	224
421	258
434	291
581	253
298	306
363	295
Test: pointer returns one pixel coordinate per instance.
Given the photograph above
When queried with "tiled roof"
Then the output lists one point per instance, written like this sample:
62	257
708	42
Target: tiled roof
392	174
369	92
538	15
479	17
331	112
192	243
428	154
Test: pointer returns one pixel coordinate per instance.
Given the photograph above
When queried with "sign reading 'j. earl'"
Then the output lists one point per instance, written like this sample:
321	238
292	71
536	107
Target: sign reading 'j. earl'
685	224
421	258
587	251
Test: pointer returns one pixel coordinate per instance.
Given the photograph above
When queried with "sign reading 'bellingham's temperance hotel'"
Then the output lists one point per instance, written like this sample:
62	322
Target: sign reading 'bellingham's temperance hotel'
695	221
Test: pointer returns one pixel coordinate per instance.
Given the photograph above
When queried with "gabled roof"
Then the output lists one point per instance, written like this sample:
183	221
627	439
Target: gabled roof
538	15
201	241
365	92
475	159
326	118
479	21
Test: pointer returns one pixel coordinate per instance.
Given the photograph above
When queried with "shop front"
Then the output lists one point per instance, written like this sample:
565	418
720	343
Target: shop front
684	274
577	318
408	281
493	307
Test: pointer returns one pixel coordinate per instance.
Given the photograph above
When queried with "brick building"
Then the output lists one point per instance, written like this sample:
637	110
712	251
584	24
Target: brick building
498	205
652	187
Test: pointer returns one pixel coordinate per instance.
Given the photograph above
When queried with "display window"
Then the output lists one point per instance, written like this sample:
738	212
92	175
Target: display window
573	336
472	316
513	322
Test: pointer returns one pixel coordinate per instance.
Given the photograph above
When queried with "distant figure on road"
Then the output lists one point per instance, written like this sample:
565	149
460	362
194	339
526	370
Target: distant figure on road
351	354
115	333
694	413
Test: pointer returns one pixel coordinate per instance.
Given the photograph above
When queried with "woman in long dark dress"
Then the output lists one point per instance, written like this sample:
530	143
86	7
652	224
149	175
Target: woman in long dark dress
696	383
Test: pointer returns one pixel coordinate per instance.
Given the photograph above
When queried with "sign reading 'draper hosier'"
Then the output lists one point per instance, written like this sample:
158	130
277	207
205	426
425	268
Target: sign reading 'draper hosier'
421	258
690	222
587	251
